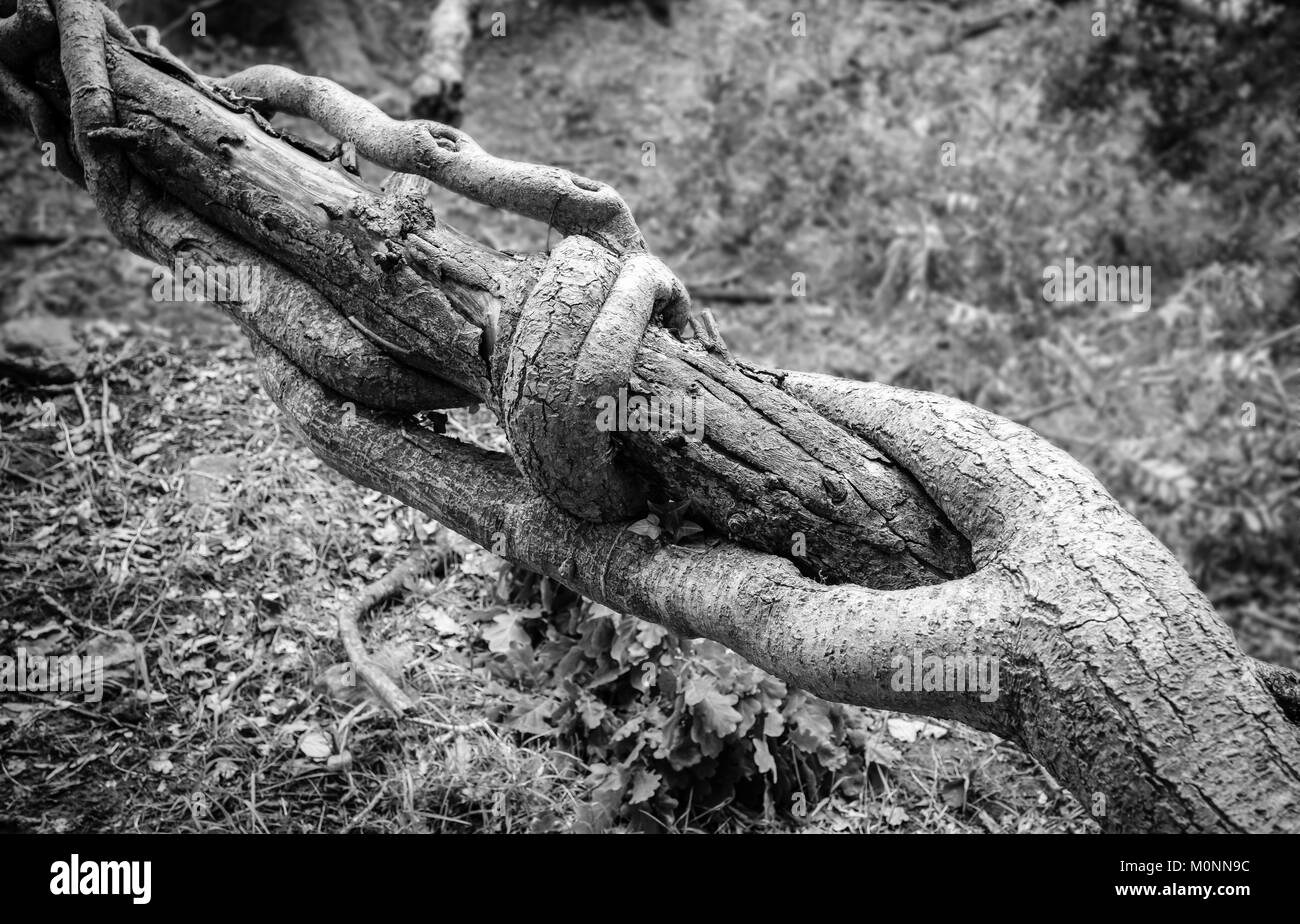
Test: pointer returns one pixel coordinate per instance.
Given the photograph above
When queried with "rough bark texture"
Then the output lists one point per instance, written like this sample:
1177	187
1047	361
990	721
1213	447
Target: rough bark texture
1116	673
1143	706
765	469
1118	654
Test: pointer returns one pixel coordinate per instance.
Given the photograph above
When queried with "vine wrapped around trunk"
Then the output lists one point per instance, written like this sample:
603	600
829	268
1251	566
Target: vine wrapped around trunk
930	526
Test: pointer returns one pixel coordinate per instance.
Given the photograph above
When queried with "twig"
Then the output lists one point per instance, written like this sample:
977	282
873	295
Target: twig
65	706
458	730
105	428
730	275
1024	417
713	338
1273	338
349	620
85	409
361	816
452	730
238	680
13	472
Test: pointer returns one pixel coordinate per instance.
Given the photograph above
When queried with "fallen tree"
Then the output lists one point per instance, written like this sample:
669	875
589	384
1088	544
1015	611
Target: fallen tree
847	523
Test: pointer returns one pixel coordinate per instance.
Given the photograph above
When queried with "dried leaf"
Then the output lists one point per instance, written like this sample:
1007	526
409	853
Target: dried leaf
908	730
645	528
315	744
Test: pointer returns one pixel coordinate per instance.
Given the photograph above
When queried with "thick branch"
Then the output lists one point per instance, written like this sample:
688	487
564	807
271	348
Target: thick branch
766	471
1114	670
834	641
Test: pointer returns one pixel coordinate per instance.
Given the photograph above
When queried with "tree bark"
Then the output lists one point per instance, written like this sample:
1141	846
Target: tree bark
953	533
765	469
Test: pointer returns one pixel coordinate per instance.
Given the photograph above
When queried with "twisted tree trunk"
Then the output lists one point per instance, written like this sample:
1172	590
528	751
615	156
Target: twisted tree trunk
925	526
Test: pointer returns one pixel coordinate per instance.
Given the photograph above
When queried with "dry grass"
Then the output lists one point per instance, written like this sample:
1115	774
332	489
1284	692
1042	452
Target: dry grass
212	596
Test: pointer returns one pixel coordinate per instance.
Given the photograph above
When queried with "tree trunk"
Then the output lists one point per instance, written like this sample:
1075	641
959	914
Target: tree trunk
766	468
953	532
439	84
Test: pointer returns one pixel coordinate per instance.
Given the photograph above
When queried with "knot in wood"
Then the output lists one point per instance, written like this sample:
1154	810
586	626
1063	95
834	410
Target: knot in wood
571	351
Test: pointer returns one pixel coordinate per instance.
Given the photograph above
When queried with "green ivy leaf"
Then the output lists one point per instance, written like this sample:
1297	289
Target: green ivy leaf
534	721
644	785
688	529
813	728
647	527
649	635
505	631
763	759
715	709
880	752
592	711
628	728
773	724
